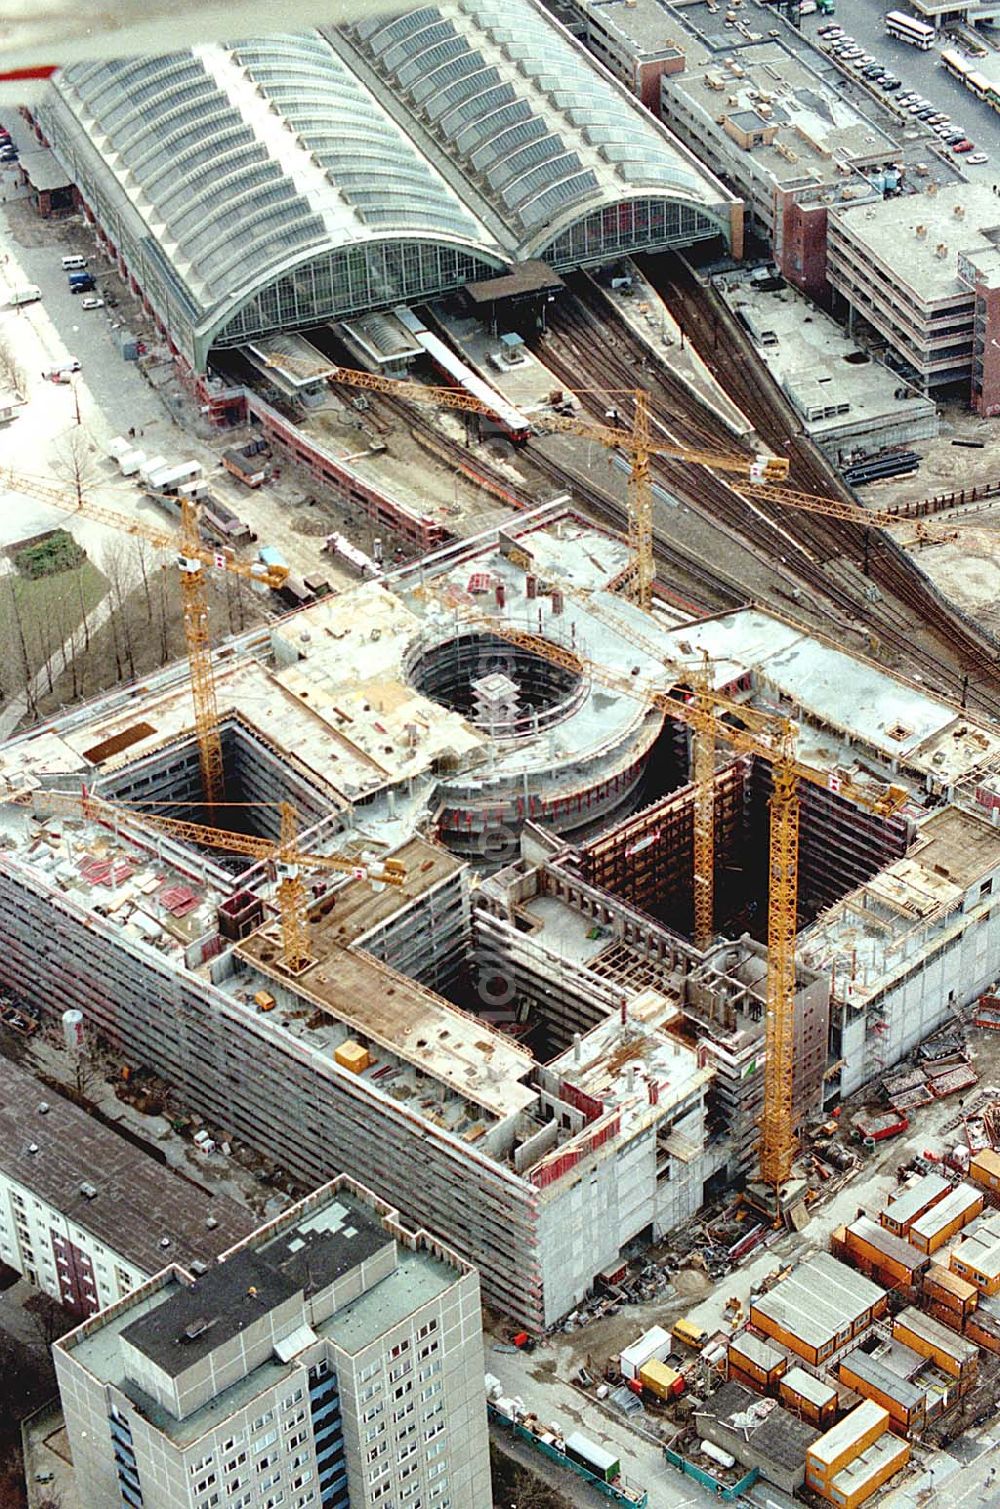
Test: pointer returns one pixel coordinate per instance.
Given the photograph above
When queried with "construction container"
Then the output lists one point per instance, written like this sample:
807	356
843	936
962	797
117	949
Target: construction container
905	1401
922	1333
264	1000
353	1056
594	1458
948	1291
818	1308
652	1346
912	1202
752	1361
876	1128
983	1326
689	1334
808	1397
946	1218
842	1444
887	1258
661	1381
984	1170
977	1258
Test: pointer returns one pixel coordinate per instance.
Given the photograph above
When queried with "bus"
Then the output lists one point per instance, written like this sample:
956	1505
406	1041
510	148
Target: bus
955	64
909	29
982	87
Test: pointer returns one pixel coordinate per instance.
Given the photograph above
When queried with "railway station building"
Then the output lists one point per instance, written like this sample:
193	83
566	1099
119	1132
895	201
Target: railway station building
278	183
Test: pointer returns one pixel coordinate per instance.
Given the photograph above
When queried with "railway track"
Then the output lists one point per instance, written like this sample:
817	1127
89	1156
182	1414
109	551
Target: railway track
827	557
893	572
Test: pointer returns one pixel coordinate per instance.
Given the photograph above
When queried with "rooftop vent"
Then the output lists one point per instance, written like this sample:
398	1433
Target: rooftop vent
211	1222
921	233
198	1327
959	212
43	1108
164	1241
33	1147
88	1191
199	1268
941	250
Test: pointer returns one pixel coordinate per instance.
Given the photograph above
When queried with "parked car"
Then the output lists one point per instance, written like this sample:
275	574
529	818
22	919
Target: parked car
954	135
924	115
831	31
979	158
890	84
91	302
964	146
62	371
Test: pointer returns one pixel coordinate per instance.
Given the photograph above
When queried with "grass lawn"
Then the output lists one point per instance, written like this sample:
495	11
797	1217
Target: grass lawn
57	599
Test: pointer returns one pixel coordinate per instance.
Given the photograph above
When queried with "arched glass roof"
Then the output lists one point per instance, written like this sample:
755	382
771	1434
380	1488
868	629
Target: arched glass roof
522	112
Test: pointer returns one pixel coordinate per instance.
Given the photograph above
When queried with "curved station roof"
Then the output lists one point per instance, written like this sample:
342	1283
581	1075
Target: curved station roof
282	181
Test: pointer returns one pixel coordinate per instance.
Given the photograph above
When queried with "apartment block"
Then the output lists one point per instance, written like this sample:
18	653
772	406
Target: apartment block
84	1214
333	1358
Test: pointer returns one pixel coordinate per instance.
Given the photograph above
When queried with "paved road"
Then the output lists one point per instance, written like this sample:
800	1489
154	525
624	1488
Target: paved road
922	71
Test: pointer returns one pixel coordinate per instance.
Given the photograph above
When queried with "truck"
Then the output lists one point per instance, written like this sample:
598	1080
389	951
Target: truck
688	1334
28	293
80	282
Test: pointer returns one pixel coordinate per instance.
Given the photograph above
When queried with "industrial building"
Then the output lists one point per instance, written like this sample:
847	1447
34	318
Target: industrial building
541	815
333	1356
937	306
762	113
85	1215
387	162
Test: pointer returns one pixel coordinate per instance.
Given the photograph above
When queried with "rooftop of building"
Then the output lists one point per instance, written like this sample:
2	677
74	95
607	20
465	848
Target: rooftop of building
756	1350
409	1029
819	1299
814	131
888	1244
941	1214
876	930
817	365
935	228
936	1334
842	1436
177	1322
904	1204
771	1433
809	1386
843	693
980	1247
888	1381
470	72
101	1182
852	1480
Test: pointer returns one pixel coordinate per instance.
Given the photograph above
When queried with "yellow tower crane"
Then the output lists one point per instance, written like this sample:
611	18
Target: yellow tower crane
635	442
192	557
713	716
285	855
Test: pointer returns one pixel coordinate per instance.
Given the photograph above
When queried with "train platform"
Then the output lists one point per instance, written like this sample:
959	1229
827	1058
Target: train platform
640	306
525	381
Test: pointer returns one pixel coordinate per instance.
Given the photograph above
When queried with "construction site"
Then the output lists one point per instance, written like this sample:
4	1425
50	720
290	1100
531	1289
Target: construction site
452	907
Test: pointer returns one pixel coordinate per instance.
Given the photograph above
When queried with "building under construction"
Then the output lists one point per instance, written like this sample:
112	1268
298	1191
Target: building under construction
524	1022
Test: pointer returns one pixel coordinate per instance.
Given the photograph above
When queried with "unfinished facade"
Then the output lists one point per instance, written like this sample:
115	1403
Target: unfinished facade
533	1030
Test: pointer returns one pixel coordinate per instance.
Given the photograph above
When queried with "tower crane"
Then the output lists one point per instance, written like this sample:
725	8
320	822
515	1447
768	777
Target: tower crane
636	441
760	472
285	855
192	557
773	738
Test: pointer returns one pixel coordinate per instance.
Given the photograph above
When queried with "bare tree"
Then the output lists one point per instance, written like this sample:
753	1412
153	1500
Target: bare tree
118	566
11	372
48	1317
76	461
25	670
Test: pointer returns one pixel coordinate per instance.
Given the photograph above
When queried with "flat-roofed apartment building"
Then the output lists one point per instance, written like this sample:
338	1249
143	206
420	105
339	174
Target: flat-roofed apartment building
925	273
84	1214
333	1357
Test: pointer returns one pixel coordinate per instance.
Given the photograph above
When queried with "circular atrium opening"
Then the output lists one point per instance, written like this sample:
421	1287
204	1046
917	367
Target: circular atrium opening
506	690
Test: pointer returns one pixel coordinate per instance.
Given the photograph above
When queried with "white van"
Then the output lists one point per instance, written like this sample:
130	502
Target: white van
74	263
27	294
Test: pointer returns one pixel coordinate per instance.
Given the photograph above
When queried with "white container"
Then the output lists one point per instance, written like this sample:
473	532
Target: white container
717	1454
131	462
653	1346
72	1022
